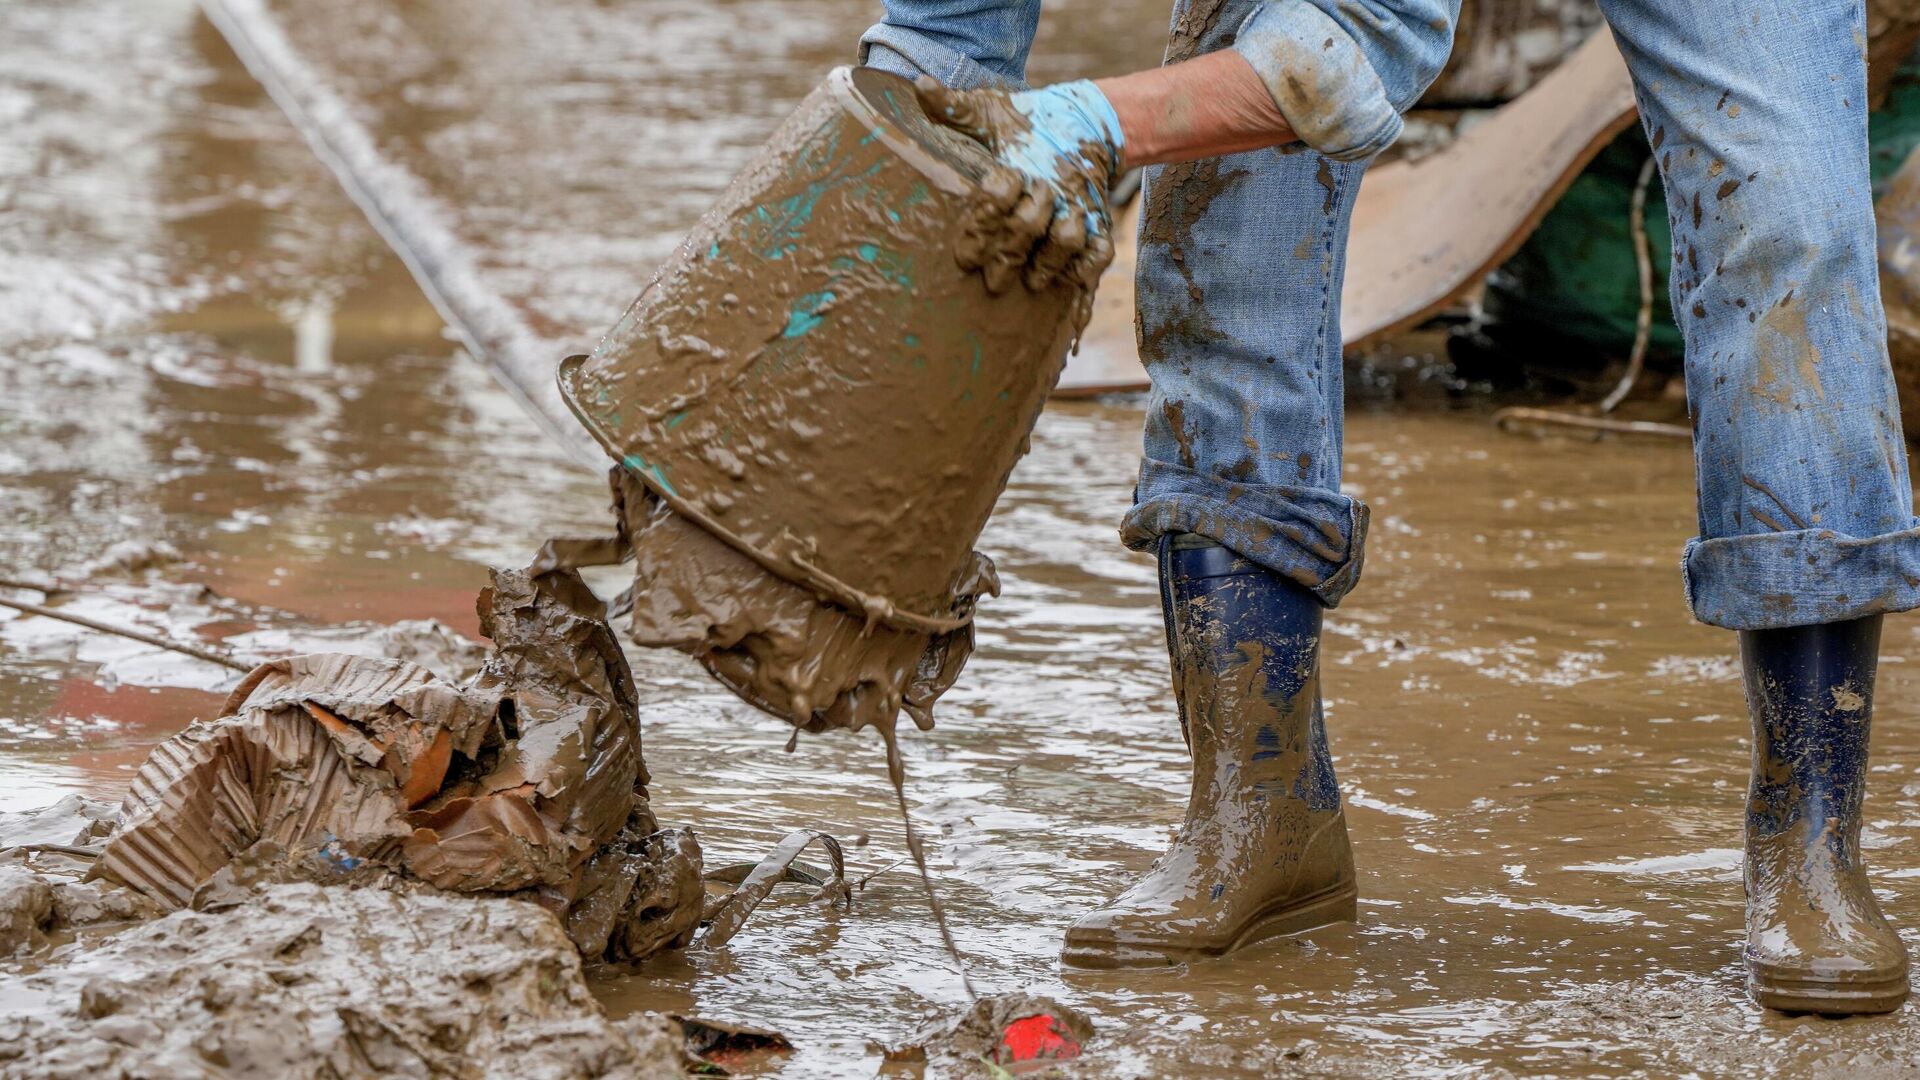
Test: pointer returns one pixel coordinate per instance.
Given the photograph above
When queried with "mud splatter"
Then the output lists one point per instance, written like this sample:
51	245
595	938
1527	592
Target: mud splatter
1786	359
1175	415
1178	198
1193	29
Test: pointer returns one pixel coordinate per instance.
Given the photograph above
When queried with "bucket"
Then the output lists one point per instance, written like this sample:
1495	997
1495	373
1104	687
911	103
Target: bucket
814	380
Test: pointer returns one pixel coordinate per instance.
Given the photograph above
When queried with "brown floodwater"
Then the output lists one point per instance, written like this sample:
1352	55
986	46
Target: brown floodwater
1543	757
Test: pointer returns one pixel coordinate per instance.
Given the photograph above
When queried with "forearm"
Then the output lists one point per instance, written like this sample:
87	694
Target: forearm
1205	107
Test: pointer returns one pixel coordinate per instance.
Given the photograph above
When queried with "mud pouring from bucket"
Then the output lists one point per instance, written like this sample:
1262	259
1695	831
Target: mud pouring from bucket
813	408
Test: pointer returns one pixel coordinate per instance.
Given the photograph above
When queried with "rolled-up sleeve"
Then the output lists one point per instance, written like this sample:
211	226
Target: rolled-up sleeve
963	43
1342	71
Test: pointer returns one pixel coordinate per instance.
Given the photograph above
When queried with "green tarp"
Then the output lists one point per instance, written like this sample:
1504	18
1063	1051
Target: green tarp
1575	276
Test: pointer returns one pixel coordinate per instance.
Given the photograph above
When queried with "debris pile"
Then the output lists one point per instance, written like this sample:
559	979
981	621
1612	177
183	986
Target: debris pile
330	767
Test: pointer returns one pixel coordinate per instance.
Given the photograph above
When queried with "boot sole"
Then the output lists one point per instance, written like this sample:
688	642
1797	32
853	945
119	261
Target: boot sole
1812	994
1335	905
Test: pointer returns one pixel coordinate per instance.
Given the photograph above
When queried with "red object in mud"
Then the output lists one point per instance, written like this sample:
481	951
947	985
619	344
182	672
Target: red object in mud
1034	1038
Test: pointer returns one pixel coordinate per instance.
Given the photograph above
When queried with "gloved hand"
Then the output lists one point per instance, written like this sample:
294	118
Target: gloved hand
1044	206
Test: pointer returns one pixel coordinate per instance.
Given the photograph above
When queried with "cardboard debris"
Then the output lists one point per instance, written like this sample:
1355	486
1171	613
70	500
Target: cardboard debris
271	771
567	770
331	766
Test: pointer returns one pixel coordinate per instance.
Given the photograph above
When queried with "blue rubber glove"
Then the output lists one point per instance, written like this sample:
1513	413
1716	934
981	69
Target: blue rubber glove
1043	213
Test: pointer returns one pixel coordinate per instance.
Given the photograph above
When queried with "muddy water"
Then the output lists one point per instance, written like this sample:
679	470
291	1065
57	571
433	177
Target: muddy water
1543	759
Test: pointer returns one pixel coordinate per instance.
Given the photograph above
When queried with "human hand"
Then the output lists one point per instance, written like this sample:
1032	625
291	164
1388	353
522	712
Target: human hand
1043	212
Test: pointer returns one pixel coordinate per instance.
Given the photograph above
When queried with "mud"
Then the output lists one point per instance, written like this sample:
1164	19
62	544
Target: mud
26	910
1196	29
313	981
1543	759
637	896
772	642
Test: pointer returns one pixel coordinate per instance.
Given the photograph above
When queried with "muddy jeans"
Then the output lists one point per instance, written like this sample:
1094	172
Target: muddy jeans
1756	110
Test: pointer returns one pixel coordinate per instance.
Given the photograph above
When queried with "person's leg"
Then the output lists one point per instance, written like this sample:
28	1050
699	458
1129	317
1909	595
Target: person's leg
1816	940
1263	849
965	44
1756	111
1239	294
1238	320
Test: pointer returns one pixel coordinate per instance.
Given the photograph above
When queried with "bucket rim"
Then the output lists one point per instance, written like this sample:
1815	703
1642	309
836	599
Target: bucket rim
844	84
791	566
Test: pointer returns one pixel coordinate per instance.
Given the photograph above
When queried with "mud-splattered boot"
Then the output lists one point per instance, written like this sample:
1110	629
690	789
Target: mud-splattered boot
1264	848
1816	940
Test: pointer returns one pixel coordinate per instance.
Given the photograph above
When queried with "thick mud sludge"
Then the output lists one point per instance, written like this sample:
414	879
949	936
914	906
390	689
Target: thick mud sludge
306	980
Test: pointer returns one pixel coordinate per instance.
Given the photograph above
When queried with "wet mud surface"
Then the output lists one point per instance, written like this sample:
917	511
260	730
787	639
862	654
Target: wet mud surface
308	980
1543	759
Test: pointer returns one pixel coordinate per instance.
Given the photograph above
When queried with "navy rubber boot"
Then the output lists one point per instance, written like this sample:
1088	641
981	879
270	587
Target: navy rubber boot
1263	850
1816	939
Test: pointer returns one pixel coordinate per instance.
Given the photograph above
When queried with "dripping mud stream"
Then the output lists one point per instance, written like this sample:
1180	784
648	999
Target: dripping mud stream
1543	758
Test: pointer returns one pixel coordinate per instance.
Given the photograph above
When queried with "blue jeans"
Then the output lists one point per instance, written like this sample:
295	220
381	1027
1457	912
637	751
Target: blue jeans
1756	110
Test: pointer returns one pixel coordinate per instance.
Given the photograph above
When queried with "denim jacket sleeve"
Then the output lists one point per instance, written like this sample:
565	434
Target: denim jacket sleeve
1342	71
963	43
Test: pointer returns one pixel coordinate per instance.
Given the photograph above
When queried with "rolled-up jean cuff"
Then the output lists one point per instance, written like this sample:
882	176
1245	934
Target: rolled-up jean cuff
1314	537
1320	78
905	52
1770	581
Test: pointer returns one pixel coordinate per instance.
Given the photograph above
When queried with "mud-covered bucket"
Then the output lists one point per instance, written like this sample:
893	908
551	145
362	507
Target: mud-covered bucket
813	379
